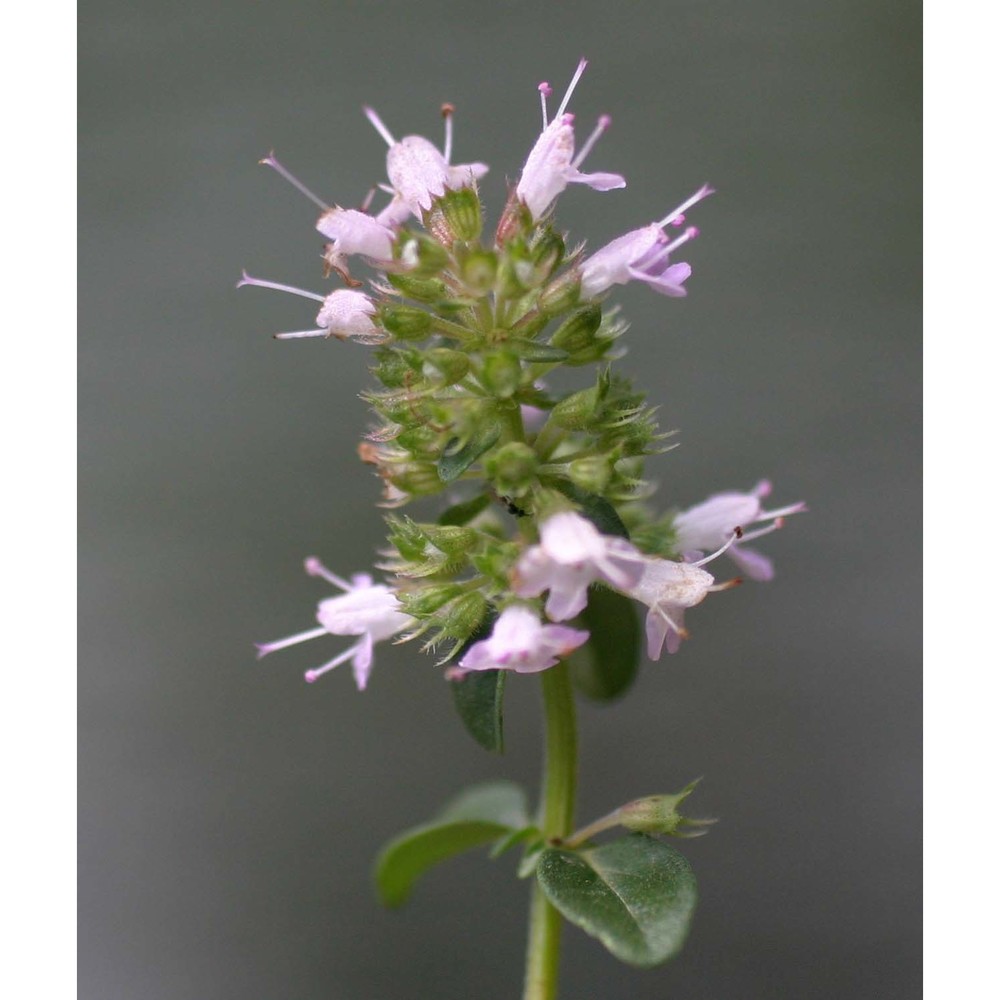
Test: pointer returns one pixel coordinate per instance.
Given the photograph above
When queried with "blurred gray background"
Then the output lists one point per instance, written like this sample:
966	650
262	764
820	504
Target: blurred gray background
230	812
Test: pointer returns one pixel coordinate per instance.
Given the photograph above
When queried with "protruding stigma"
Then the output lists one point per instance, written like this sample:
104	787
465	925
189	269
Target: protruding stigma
581	66
260	283
603	123
372	115
272	161
447	111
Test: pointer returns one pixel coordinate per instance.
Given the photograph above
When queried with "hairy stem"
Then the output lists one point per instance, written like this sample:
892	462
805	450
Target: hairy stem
542	971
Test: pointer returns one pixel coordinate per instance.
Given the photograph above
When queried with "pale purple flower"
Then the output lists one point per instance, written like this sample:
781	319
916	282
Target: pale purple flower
668	589
365	609
520	642
551	164
344	313
642	255
707	525
350	230
353	232
419	172
572	555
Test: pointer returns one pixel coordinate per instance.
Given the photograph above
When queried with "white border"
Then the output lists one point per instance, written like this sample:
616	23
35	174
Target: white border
38	421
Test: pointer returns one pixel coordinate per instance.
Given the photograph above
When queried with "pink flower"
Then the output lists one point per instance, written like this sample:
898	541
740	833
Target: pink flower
520	642
668	589
366	609
707	525
345	313
551	165
353	232
642	255
418	172
571	556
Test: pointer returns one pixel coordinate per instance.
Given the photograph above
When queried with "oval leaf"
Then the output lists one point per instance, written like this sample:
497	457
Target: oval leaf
635	895
477	816
605	667
600	512
453	463
479	695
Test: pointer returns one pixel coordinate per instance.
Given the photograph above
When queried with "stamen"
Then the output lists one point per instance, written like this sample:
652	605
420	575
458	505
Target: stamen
703	192
372	115
679	221
679	629
581	66
734	537
312	675
792	508
447	110
750	535
315	568
726	585
689	234
602	126
301	334
260	283
271	161
263	648
544	91
367	202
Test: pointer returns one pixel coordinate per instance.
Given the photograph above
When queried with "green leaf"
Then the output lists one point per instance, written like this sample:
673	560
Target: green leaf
479	695
476	816
605	667
635	895
600	512
453	463
463	513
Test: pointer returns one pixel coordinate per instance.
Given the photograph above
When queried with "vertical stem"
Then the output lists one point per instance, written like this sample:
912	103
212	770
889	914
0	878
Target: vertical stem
542	971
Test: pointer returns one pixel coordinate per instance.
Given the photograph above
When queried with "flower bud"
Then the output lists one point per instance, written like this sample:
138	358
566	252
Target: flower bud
501	374
577	411
479	271
548	253
459	619
416	479
560	295
453	365
659	814
457	216
419	289
394	369
426	600
578	332
512	469
406	322
422	256
592	474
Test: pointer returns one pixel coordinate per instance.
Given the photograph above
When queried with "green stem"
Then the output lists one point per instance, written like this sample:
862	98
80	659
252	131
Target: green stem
542	971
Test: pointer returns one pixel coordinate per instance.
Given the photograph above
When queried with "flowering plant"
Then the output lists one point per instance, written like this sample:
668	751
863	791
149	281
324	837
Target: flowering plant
547	541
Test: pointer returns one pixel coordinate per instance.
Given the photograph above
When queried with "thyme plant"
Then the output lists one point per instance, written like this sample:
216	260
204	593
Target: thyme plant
544	540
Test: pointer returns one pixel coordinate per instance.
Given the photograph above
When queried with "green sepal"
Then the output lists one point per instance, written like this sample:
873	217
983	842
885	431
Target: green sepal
635	895
463	513
530	350
605	667
476	816
453	463
479	695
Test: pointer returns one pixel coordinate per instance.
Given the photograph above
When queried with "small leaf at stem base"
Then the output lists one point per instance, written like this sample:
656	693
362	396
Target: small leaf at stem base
635	895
